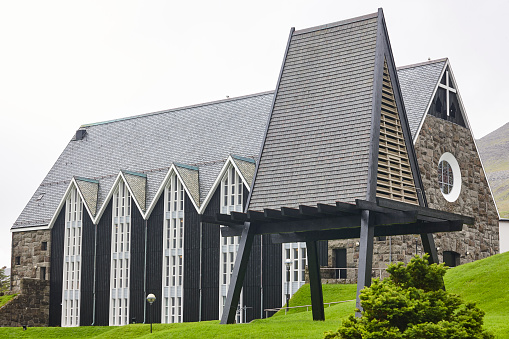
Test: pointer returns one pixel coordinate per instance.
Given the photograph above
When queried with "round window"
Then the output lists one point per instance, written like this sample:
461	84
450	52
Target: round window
449	177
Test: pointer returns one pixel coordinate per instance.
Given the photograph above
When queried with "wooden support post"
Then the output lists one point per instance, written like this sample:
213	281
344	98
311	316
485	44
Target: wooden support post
365	254
428	243
315	281
239	272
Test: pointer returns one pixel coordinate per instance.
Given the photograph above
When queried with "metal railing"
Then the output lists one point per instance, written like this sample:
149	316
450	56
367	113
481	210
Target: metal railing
342	273
267	310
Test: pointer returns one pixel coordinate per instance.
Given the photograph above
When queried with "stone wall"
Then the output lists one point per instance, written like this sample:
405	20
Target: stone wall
476	241
30	307
28	247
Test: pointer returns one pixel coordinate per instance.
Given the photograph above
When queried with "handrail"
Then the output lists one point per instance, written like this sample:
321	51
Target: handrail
267	310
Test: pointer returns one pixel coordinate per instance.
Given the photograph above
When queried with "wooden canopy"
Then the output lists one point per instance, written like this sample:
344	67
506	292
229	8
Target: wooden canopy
309	224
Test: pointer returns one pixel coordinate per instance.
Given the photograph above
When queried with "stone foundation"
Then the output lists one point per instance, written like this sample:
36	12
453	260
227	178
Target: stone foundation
33	259
30	307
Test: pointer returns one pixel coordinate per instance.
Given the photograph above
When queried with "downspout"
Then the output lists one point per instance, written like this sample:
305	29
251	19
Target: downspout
95	270
261	276
145	277
201	272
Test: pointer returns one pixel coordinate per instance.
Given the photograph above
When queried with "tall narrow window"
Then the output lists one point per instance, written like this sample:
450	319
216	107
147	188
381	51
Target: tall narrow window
120	252
294	275
173	252
72	260
231	200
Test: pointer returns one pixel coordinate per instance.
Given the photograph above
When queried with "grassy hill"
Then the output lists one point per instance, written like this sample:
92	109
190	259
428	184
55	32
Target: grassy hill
484	282
494	150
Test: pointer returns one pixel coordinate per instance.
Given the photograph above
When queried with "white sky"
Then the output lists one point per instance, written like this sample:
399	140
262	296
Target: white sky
67	63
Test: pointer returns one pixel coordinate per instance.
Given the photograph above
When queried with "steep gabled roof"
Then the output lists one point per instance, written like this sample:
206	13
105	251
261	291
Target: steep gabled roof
322	140
202	136
418	84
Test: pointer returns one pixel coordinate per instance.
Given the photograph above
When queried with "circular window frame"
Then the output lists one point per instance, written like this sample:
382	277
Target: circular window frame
456	172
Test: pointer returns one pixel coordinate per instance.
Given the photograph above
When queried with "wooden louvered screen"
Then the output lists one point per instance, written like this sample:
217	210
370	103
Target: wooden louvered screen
394	178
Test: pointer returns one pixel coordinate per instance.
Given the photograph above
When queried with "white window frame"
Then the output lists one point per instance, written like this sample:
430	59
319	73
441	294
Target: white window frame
297	254
173	252
231	195
120	256
71	294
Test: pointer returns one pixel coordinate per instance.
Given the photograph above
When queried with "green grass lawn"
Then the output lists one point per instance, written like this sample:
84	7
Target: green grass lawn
6	298
484	282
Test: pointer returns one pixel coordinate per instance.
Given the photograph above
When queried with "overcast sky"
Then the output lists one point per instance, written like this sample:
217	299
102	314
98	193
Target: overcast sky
67	63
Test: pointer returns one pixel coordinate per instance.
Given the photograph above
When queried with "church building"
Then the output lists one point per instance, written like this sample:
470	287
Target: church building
123	211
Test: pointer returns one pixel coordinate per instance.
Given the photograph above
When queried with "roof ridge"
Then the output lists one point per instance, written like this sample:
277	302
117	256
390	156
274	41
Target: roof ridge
422	63
335	24
177	109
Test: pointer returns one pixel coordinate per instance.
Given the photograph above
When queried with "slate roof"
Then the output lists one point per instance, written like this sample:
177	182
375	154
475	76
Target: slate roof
201	135
317	144
418	82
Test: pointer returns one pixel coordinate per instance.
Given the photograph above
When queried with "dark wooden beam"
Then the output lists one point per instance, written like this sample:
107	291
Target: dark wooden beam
232	231
424	211
255	215
239	272
297	225
309	211
428	244
273	214
365	254
395	217
291	212
315	281
238	216
328	209
347	208
419	227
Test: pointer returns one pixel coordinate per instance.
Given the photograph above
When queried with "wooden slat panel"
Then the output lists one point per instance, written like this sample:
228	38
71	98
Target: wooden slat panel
394	178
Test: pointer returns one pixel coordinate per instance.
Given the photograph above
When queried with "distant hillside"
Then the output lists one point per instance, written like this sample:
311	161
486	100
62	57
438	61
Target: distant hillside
494	150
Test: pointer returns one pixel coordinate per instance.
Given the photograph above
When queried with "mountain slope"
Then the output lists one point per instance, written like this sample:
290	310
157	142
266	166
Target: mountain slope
494	151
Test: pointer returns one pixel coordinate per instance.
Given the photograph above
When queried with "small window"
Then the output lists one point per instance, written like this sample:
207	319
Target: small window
17	261
44	246
43	273
445	177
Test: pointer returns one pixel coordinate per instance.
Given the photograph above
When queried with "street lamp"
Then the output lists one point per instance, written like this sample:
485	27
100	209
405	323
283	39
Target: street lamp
151	298
288	263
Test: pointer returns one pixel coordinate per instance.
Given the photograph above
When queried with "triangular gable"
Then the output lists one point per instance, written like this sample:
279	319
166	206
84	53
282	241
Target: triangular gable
89	190
246	167
137	183
317	143
322	140
85	188
190	178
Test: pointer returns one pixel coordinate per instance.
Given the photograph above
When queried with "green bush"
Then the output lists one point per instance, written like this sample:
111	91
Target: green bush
412	304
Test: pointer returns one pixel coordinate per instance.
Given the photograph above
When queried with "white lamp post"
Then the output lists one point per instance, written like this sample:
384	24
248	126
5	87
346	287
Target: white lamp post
288	263
151	298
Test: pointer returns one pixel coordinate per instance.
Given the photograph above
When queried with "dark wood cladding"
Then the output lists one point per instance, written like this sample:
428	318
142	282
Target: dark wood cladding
272	273
210	263
137	266
103	262
155	259
252	283
87	271
191	308
56	269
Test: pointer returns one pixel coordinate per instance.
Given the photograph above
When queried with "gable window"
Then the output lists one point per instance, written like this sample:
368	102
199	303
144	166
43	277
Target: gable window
173	252
231	200
120	255
72	260
449	177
